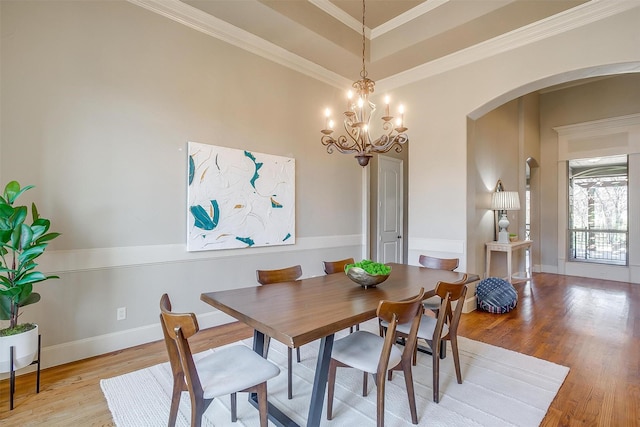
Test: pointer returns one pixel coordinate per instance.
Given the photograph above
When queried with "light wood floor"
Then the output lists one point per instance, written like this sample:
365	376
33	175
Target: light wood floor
592	326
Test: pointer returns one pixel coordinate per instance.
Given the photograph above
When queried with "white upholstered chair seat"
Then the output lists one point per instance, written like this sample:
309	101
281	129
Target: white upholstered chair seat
432	303
361	350
231	369
425	331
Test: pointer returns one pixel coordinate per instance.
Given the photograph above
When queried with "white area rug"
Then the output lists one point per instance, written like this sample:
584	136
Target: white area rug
500	388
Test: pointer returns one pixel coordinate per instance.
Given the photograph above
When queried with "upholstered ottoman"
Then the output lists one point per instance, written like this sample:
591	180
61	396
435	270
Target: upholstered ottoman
496	295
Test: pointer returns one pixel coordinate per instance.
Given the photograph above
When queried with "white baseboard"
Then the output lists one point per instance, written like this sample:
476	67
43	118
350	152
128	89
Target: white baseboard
82	349
470	304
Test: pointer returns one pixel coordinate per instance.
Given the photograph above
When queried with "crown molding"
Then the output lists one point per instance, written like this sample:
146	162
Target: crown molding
405	17
584	14
348	20
579	16
331	9
221	30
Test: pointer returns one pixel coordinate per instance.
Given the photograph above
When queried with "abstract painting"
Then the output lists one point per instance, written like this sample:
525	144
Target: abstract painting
239	198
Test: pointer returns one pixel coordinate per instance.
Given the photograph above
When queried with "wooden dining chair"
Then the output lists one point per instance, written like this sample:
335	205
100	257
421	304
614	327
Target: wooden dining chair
444	328
226	371
267	277
376	355
439	263
434	263
332	267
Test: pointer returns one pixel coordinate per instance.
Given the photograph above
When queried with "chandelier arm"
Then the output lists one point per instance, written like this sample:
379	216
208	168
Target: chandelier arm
387	142
341	144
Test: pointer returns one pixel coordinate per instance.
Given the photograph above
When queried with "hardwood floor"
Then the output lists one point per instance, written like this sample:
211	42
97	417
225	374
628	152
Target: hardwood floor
592	326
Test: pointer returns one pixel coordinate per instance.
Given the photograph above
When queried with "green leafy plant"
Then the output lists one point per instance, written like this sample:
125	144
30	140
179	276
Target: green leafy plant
20	245
370	267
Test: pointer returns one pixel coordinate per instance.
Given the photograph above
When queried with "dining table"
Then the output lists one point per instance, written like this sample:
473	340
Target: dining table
315	308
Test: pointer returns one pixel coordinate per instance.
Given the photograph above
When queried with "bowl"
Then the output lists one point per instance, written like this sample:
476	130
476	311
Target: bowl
365	279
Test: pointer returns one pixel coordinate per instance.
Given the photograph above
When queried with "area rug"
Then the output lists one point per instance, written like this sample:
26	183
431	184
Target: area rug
500	388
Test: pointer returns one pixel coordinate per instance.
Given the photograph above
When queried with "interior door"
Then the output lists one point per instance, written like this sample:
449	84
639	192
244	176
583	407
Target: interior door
390	202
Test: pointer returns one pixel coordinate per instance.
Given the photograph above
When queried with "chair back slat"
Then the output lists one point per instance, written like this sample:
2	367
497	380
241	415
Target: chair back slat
439	263
331	267
289	274
399	312
450	293
177	328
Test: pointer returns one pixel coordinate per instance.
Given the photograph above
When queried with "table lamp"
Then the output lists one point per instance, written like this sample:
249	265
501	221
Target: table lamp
504	201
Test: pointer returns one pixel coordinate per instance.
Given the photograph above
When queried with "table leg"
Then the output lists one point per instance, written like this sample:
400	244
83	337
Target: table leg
276	416
509	265
488	269
320	381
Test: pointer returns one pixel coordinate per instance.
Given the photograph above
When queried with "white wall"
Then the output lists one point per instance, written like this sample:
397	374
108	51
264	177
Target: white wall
441	103
98	102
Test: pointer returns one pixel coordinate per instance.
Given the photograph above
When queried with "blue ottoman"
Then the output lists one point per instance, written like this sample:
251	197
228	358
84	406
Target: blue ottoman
496	295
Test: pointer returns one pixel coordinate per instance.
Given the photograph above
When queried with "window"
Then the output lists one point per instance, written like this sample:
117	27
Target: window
598	199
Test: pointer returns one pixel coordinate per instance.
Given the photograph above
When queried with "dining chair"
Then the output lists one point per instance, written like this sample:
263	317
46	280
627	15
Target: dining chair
439	263
267	277
376	355
226	371
332	267
434	263
437	330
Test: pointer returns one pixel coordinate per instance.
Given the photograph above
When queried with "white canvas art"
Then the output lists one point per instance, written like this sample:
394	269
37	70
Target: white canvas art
239	199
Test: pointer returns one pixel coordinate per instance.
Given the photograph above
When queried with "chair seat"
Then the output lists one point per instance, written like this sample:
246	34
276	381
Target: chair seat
232	369
361	350
432	303
425	331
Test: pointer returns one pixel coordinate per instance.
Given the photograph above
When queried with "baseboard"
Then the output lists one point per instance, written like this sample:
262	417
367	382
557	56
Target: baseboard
470	304
82	349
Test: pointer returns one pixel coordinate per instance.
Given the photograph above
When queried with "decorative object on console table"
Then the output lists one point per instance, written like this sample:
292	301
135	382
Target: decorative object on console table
20	245
504	201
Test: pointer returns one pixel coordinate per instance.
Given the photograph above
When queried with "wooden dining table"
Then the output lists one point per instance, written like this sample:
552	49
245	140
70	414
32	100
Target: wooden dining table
299	312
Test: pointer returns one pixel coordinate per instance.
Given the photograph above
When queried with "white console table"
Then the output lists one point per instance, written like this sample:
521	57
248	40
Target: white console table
509	248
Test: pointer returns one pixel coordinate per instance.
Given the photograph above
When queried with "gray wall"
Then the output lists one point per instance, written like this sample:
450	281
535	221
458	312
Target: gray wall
98	102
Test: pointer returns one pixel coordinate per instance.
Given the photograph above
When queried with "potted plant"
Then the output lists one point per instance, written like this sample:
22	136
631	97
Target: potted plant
20	245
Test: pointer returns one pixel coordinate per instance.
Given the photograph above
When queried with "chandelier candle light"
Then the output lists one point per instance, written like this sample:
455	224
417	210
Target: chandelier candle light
357	117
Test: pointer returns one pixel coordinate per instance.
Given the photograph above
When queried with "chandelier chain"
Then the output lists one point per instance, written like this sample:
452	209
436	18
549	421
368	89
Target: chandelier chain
363	73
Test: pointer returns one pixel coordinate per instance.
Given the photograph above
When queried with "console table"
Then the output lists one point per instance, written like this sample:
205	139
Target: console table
509	248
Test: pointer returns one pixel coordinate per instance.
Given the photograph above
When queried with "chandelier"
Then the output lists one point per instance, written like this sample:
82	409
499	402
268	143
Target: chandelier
356	121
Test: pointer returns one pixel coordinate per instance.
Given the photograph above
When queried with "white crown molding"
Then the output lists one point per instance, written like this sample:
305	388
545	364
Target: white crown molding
405	17
599	127
579	16
390	25
584	14
217	28
342	16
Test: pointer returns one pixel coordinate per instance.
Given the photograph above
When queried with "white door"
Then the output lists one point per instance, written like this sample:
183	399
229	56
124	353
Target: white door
390	200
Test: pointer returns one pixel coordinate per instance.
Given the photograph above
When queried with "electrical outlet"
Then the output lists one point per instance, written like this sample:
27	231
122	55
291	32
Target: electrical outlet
121	313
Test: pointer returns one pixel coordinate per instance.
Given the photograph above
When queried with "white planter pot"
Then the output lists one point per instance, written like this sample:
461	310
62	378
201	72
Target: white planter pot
25	350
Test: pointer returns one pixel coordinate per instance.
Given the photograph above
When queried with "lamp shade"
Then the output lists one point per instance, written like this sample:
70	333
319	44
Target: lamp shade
505	201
